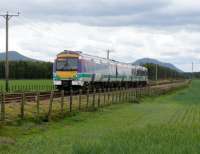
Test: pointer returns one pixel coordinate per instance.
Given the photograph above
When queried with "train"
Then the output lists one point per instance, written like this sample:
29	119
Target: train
77	69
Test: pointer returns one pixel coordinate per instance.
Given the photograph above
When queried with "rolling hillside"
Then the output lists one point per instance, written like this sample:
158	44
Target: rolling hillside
15	56
154	61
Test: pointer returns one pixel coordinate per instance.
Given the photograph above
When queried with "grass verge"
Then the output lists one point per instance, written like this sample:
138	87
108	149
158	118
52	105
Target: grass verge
166	124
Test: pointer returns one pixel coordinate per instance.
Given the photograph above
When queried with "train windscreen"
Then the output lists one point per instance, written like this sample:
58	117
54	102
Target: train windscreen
70	64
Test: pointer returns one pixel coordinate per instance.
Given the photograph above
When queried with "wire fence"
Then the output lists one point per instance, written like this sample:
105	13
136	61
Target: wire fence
47	106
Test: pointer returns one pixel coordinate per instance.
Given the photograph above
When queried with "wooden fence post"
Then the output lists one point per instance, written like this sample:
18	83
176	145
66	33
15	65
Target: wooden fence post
120	94
87	95
136	93
141	91
117	95
146	91
50	105
93	99
122	91
108	96
123	94
79	100
62	101
104	97
112	93
3	106
152	92
132	94
70	100
99	98
127	93
22	105
149	91
38	104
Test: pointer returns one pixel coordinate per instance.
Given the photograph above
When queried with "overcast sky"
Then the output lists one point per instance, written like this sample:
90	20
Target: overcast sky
167	30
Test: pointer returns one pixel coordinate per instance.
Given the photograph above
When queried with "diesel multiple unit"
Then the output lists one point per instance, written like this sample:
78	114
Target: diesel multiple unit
76	69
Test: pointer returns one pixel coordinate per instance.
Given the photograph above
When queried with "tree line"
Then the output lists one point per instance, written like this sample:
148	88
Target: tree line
43	70
163	72
27	70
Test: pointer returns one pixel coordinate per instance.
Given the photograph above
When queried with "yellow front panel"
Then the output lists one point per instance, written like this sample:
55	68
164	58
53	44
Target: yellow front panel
66	74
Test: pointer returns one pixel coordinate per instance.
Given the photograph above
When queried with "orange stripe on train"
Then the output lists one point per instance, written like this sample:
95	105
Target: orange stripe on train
66	74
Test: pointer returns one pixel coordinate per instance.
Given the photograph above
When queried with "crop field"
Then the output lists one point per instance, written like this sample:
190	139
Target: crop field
164	124
28	85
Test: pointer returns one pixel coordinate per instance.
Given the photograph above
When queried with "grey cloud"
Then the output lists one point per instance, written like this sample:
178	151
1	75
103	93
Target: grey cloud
84	7
152	20
89	12
170	54
104	13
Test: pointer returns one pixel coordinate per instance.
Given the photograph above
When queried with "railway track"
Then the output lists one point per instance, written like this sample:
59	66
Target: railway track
32	96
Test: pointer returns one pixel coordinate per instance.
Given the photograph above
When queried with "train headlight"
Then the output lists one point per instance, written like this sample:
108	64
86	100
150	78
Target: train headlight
57	83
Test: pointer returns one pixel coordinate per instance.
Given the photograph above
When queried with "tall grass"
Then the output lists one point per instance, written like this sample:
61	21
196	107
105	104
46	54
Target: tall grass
167	124
28	85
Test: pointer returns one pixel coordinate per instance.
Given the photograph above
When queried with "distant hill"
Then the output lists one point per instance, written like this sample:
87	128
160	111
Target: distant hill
15	56
154	61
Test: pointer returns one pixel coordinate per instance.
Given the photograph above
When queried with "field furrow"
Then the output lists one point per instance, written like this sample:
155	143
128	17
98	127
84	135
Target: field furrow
168	124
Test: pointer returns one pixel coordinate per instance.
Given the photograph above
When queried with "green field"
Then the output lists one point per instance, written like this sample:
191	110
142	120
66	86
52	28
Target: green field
166	124
28	85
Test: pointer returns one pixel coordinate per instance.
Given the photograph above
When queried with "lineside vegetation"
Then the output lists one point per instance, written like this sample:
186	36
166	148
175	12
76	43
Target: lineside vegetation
28	85
165	124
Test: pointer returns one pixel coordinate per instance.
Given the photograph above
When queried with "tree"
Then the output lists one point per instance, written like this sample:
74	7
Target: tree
27	70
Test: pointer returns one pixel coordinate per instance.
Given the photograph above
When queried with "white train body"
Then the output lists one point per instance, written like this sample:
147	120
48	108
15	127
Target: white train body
77	69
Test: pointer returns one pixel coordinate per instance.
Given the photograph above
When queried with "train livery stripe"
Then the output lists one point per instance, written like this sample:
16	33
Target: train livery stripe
112	77
84	75
88	76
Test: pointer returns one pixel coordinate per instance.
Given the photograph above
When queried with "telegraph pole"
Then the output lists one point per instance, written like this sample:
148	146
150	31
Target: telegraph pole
192	70
7	17
108	53
156	72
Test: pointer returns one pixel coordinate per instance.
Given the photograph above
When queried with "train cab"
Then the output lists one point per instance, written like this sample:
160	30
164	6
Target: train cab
65	68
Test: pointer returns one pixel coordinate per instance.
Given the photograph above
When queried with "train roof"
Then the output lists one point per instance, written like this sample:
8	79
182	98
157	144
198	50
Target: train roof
105	60
69	52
